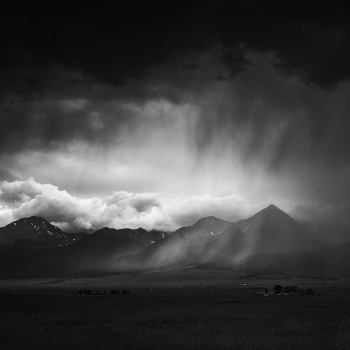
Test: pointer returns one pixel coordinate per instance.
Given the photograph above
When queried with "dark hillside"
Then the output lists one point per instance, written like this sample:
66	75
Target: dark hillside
36	229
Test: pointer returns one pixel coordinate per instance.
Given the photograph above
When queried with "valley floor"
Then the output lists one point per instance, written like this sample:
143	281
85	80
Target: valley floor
183	277
203	313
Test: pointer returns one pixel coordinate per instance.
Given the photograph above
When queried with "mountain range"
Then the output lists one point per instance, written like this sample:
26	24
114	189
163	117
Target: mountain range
268	242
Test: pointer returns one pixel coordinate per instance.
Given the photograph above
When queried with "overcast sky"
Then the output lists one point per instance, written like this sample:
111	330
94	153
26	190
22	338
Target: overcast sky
160	114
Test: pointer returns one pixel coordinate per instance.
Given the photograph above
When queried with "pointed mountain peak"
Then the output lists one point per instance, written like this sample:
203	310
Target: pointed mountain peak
271	210
36	229
207	226
272	206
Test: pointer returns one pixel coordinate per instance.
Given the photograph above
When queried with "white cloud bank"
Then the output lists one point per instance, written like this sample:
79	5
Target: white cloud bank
163	211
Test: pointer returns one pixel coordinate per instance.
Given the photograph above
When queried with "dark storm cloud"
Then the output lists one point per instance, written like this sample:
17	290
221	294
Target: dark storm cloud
308	39
157	50
110	45
48	124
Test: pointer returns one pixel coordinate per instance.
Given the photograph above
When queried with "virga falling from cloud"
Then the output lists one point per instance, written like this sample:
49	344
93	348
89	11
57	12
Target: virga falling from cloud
253	110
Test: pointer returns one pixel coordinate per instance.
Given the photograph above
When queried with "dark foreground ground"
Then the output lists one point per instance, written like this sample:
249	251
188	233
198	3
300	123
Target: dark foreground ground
182	318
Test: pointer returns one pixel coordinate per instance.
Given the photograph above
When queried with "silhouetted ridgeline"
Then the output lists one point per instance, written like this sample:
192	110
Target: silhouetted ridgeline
268	242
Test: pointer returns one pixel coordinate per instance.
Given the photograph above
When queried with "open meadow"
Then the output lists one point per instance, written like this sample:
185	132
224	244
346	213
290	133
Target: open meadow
49	314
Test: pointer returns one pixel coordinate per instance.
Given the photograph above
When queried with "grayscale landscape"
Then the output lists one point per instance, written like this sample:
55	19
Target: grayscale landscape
99	289
175	175
269	242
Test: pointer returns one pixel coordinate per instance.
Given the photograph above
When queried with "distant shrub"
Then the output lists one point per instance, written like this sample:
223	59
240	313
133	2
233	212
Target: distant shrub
277	289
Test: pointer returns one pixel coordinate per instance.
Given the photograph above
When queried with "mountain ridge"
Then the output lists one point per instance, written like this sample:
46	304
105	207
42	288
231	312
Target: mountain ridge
270	240
37	229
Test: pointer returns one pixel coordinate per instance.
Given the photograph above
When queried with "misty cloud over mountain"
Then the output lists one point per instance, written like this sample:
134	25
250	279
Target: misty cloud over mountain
270	241
154	115
161	211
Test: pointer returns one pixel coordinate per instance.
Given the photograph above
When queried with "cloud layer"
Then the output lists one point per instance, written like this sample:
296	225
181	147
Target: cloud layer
161	211
235	104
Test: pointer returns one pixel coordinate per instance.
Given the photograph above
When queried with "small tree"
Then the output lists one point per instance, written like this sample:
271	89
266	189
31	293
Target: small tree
277	288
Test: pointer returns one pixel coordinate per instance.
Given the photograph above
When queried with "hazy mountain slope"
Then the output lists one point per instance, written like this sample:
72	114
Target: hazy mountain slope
208	226
155	235
92	255
185	245
273	231
88	256
225	243
270	231
268	242
162	253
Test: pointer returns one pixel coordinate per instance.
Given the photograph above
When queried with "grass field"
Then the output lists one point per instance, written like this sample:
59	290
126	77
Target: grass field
186	318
